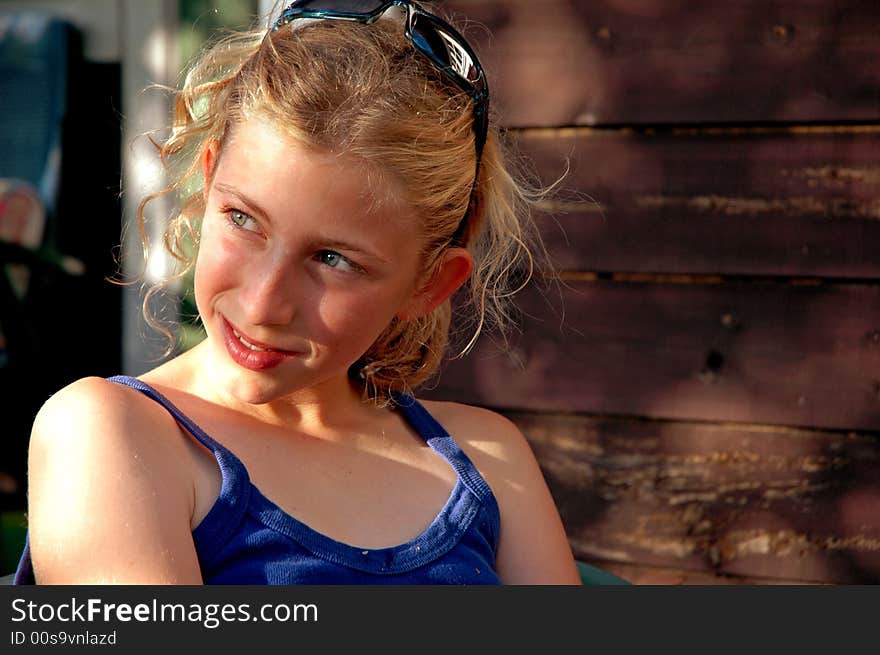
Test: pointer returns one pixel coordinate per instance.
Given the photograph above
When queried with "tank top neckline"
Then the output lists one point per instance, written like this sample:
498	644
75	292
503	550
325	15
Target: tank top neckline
239	496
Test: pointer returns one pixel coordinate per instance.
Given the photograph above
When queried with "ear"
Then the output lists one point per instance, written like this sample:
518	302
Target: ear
209	161
453	270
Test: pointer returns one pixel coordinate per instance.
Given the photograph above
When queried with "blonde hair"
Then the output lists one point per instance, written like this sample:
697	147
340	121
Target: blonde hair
364	90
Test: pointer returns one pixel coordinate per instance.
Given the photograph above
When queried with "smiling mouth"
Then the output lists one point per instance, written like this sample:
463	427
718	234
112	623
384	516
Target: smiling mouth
249	345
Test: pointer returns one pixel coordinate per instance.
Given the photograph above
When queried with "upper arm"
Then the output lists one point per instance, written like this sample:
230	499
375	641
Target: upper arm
107	500
533	547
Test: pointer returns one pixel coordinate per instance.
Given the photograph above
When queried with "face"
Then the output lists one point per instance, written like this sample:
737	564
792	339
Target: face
303	261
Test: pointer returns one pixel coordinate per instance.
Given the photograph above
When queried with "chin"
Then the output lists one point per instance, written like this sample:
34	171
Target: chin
252	388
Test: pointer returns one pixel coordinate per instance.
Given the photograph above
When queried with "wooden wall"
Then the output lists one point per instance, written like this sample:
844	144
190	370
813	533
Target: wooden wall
703	390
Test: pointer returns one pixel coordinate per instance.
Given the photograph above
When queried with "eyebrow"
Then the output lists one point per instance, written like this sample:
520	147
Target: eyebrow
327	243
225	188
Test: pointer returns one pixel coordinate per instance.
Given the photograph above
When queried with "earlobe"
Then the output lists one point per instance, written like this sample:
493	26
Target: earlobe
451	272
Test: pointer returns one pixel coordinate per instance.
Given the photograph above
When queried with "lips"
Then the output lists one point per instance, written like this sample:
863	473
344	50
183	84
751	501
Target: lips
252	354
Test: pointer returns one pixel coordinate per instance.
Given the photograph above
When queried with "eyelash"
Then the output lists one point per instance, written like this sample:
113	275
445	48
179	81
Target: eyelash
232	214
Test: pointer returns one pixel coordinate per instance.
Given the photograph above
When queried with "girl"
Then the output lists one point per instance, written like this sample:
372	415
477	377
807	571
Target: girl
350	184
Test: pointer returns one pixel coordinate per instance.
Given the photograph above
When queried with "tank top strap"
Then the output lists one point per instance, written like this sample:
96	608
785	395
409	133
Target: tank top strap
235	487
436	436
219	450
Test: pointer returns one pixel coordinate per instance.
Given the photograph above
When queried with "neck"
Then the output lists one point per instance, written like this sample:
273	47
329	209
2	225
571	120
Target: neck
332	405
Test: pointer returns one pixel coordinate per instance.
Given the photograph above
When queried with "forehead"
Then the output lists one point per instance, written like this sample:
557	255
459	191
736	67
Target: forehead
262	160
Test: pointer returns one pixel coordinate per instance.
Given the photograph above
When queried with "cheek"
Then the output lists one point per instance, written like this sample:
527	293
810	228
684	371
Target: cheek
209	278
201	286
216	264
356	318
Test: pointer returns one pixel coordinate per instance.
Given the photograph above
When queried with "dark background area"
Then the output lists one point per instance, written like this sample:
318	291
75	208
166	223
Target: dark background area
68	323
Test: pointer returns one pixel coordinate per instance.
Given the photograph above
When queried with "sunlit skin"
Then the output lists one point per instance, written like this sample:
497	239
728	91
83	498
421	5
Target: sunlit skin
302	252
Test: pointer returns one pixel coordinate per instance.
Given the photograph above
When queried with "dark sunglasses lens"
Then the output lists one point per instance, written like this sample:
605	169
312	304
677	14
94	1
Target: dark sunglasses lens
342	6
444	47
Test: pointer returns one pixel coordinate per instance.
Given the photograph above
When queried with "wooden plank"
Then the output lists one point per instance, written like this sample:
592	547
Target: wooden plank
555	62
788	202
653	575
784	354
754	502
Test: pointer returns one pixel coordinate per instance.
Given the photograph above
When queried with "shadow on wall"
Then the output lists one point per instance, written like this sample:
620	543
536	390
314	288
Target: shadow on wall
709	401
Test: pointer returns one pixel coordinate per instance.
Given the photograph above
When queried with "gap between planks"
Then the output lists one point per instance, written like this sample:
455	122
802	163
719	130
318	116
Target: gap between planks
701	279
733	129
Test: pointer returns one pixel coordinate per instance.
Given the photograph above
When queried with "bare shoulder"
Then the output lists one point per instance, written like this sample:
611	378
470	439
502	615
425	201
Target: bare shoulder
480	432
101	419
493	442
87	397
533	547
106	484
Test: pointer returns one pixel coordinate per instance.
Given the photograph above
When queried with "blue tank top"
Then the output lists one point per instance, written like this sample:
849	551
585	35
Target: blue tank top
247	539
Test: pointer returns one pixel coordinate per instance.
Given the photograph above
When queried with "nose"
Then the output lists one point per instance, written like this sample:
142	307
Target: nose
270	291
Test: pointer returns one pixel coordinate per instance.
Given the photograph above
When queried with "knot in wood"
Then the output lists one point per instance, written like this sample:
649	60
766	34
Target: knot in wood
783	33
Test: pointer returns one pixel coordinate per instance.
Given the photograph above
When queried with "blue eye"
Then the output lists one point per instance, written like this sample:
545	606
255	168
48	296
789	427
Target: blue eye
239	219
335	260
331	258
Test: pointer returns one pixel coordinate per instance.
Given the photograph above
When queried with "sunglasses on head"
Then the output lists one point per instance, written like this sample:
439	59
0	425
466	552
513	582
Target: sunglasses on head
430	35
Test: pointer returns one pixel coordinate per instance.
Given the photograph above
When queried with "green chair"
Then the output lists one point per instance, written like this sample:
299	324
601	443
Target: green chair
13	528
593	575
